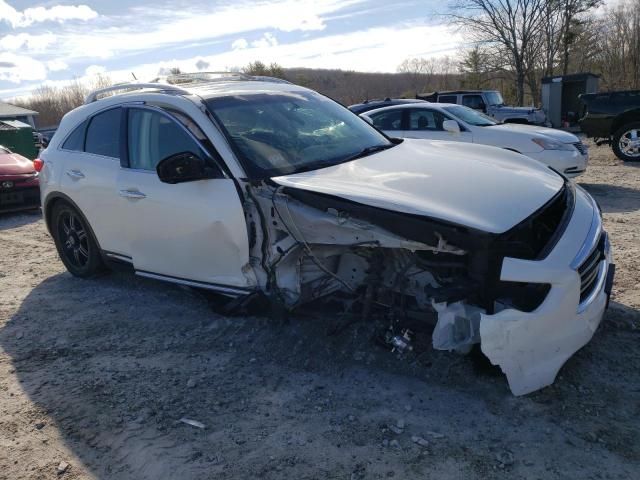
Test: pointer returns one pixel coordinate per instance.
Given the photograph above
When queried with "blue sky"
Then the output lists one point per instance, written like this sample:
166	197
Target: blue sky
55	41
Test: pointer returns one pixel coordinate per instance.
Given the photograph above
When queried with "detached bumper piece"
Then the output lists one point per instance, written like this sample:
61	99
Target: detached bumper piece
531	347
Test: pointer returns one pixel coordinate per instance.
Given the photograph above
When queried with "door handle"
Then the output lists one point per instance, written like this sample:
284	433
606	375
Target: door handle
75	174
133	194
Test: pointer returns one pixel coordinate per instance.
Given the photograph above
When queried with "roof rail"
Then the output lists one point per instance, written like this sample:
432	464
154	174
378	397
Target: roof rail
202	77
93	96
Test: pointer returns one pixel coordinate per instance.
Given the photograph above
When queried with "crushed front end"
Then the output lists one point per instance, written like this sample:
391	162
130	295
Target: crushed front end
529	296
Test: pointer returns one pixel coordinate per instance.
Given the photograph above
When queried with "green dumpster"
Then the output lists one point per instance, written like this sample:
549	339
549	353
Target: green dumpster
17	136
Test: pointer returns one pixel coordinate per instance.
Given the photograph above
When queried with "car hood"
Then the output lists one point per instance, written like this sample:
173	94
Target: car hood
477	186
14	164
532	130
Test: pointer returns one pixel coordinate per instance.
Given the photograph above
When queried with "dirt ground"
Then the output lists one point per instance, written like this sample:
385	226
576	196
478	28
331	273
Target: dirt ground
95	376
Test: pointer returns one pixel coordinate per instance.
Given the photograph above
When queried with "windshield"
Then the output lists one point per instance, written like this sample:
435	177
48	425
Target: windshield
289	132
470	116
494	98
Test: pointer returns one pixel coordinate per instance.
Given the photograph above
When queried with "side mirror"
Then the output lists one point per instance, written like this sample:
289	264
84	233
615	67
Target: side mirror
182	167
451	126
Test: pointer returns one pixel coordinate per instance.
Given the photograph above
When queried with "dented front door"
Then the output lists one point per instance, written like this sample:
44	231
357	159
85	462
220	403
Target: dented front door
192	231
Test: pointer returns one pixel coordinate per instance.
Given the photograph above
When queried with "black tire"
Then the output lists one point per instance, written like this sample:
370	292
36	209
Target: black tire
74	241
621	141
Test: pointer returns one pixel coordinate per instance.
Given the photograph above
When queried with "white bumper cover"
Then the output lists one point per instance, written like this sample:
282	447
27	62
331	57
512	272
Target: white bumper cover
531	347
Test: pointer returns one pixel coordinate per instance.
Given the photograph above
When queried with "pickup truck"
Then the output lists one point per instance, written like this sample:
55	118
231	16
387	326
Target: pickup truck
614	118
489	102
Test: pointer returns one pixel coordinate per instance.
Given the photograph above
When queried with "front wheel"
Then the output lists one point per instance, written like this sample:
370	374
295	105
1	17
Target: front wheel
74	241
626	142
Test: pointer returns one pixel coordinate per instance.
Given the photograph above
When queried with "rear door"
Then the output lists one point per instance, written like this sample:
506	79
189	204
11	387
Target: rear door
389	121
91	164
193	231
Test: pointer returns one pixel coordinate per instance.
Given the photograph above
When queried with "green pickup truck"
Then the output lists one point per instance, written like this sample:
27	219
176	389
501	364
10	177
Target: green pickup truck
614	118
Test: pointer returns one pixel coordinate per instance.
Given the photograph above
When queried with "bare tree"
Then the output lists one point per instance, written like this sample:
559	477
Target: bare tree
511	26
570	10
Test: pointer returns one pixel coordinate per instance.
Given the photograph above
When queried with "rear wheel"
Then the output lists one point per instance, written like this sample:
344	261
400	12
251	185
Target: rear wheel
74	241
626	142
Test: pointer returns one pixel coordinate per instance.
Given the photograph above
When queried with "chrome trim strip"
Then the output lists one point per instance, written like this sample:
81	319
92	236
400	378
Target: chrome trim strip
592	239
602	276
117	256
226	290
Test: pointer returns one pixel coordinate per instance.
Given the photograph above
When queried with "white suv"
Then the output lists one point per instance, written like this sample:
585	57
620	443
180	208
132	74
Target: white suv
248	186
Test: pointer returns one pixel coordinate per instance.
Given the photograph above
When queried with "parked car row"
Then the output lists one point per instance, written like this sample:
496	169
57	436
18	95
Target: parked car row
252	187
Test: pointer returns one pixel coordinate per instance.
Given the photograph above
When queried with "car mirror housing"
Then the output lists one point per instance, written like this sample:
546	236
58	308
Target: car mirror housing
183	167
451	126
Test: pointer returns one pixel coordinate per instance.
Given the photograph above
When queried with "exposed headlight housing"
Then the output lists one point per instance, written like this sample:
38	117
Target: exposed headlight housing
550	144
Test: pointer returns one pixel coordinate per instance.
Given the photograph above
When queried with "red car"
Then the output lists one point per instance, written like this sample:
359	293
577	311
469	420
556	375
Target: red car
19	183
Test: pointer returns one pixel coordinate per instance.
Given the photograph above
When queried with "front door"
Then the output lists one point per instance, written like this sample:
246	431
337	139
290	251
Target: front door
427	123
192	231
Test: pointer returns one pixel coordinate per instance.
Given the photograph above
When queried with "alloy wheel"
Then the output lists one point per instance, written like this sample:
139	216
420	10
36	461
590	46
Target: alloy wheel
75	241
629	143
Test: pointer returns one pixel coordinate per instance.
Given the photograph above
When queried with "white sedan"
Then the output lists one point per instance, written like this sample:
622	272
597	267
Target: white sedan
561	150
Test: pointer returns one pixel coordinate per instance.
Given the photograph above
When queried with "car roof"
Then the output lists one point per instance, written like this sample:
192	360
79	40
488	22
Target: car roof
436	106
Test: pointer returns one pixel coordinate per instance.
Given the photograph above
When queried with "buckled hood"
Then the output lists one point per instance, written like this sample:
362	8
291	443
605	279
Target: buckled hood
477	186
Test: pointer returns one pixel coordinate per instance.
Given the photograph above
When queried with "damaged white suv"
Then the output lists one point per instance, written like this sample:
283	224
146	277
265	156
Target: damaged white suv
245	185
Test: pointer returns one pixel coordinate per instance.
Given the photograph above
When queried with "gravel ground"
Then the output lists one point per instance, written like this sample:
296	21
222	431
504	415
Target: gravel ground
95	376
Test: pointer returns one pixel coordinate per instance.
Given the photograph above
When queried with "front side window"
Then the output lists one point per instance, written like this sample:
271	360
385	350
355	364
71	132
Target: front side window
282	132
473	101
447	99
494	98
424	119
153	137
388	120
103	134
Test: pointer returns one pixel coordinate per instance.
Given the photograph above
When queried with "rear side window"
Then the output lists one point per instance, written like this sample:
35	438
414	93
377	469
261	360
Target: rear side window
103	134
154	137
389	120
447	99
75	141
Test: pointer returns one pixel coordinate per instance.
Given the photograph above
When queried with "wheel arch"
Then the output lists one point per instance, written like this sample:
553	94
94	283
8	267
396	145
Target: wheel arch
56	198
519	120
629	116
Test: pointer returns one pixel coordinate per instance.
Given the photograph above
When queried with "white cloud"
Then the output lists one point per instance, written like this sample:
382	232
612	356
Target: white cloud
372	50
267	40
239	44
92	70
56	65
17	68
168	28
57	13
26	41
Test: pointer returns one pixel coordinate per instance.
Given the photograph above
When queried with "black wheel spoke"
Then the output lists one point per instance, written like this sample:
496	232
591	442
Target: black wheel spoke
74	239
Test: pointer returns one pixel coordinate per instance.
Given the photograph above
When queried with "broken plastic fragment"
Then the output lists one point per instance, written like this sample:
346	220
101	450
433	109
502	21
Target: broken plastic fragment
458	326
